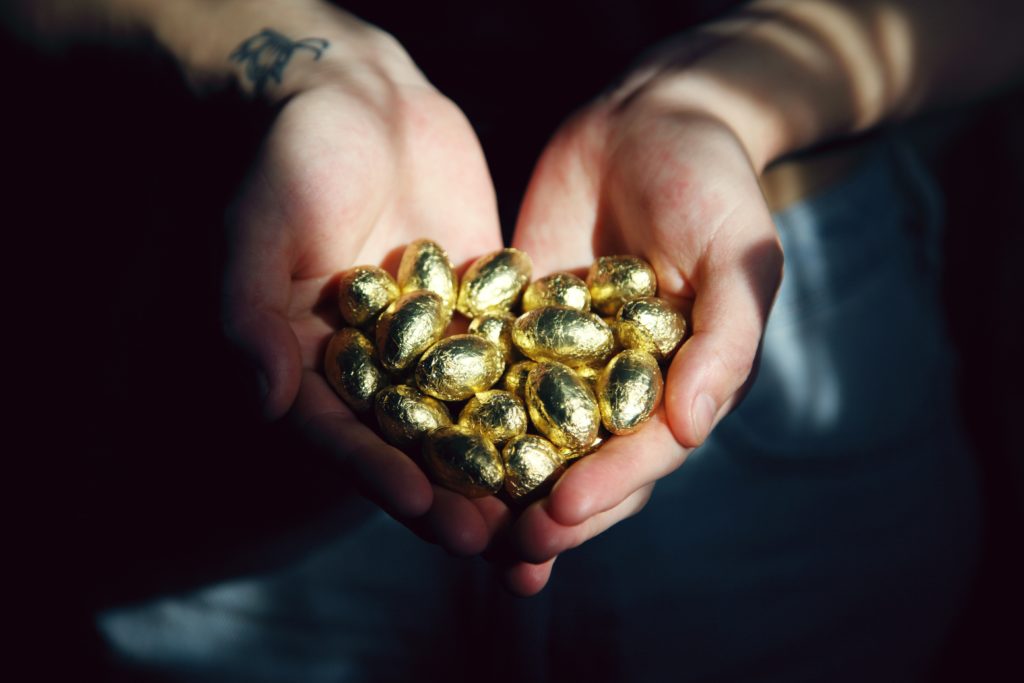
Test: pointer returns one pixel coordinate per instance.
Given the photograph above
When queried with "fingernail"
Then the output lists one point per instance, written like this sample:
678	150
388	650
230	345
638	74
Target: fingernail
704	410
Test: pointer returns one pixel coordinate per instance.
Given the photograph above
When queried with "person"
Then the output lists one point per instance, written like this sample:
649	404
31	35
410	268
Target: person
833	512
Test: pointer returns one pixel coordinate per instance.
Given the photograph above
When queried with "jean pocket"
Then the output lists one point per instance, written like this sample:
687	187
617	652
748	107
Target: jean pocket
855	350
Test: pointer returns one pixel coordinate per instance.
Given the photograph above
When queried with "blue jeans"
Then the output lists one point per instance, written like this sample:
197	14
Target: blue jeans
826	532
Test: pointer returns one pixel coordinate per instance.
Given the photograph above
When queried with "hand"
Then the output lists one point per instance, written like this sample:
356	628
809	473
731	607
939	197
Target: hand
353	169
656	176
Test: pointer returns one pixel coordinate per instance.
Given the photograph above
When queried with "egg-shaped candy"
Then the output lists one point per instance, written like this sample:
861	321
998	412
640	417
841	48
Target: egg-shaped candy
352	370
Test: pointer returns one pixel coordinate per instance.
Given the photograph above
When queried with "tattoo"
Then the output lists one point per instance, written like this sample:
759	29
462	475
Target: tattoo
266	54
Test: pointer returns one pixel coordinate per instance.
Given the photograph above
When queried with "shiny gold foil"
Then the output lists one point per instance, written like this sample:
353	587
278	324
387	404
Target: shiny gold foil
559	289
629	391
613	280
352	370
405	415
563	334
497	327
464	461
515	378
532	464
494	282
363	292
425	266
408	327
561	406
496	414
590	375
459	366
650	324
570	455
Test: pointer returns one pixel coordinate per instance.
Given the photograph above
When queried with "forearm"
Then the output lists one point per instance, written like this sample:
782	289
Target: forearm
206	38
788	74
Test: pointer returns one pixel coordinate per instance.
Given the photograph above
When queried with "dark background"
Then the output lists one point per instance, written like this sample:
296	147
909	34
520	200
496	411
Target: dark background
147	469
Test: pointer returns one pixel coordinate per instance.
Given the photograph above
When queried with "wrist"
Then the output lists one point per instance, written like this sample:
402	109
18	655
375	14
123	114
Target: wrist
274	49
779	88
696	94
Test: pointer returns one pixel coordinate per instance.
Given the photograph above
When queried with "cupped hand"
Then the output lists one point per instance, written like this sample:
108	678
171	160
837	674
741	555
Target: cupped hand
351	171
656	176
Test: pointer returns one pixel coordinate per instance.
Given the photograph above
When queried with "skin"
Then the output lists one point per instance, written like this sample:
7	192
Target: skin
665	165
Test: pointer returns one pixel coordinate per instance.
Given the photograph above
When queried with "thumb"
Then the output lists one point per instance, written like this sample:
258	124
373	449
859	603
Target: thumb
256	292
735	291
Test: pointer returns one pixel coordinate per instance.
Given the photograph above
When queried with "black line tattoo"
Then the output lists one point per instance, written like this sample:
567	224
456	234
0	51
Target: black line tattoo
266	54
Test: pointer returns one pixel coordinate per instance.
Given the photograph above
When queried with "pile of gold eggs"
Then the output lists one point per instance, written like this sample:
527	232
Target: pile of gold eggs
547	369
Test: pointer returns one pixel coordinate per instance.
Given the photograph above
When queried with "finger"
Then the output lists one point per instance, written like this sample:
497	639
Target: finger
623	464
524	579
562	194
464	527
495	514
257	284
457	523
735	290
541	538
382	473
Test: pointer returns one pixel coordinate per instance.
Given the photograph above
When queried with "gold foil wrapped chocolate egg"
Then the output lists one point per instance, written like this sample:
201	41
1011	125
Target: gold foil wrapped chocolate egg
559	289
352	369
494	282
589	374
561	406
464	461
363	292
459	366
570	455
650	324
497	327
425	266
405	415
532	464
563	334
496	414
629	391
408	327
515	378
614	280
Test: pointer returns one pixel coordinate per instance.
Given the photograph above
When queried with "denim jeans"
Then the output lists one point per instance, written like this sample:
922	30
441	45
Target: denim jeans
826	532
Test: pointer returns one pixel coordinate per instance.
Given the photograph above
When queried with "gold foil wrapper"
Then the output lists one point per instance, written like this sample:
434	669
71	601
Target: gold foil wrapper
464	461
589	374
408	327
563	334
614	280
532	465
497	327
629	391
352	370
459	366
561	406
425	266
559	289
406	415
496	414
570	455
494	282
652	325
363	292
515	378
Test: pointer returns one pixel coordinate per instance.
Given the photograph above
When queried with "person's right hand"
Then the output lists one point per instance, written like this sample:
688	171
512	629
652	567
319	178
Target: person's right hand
354	168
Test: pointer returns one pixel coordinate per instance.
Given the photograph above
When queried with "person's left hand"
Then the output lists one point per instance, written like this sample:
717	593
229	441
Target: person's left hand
651	176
